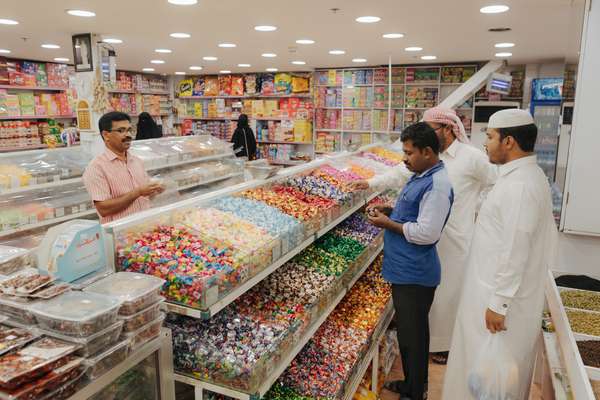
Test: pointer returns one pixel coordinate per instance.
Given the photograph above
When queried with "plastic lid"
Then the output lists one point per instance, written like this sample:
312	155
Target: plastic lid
126	286
81	340
76	306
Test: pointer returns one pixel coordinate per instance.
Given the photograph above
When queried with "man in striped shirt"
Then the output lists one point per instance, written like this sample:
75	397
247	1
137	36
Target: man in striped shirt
116	180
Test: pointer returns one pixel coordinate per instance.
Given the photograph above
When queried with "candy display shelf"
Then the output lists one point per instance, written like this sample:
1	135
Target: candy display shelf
38	88
47	222
280	367
561	358
281	142
243	288
34	117
371	355
162	350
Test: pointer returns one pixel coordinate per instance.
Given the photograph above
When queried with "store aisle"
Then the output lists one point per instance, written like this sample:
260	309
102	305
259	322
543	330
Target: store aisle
436	380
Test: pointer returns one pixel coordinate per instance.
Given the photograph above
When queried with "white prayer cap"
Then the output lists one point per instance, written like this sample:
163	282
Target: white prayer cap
510	118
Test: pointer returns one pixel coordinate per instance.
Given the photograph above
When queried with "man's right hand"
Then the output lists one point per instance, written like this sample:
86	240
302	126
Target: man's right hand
387	210
151	189
358	185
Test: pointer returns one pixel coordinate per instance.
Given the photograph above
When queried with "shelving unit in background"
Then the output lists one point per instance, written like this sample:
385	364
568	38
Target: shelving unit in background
134	93
35	99
364	105
279	107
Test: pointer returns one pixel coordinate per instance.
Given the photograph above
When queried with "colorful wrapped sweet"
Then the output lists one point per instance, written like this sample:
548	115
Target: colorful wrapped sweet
316	186
271	219
192	269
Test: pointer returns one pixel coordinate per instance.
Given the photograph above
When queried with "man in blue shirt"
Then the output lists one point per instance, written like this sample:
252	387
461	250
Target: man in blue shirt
410	261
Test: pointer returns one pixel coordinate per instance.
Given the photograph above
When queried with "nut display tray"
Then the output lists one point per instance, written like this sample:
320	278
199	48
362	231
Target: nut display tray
76	313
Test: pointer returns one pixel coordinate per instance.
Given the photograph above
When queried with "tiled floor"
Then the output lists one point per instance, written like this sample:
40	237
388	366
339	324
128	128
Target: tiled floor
436	381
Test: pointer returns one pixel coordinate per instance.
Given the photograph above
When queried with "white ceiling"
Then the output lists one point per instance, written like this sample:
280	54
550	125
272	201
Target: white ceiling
453	30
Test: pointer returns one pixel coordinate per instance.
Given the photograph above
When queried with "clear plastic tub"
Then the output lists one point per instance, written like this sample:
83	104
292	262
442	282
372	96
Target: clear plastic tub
17	309
13	259
145	333
94	344
144	317
135	291
79	314
102	363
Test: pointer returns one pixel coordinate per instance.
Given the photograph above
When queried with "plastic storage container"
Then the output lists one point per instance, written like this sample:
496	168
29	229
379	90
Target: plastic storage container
13	259
145	333
103	362
144	317
94	344
80	314
17	309
135	291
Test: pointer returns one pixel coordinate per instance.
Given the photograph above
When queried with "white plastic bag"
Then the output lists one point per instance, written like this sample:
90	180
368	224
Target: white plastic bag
495	375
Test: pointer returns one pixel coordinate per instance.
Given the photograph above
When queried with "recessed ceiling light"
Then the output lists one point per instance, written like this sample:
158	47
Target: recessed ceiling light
4	21
393	35
504	45
210	58
227	45
244	65
196	68
224	71
61	59
179	73
494	9
413	48
369	19
183	2
299	62
4	51
503	54
337	52
112	40
272	70
157	61
81	13
163	51
180	35
50	46
265	28
148	69
359	60
428	57
269	55
305	41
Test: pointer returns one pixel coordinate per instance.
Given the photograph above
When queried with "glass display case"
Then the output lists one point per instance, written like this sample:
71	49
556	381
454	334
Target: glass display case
209	246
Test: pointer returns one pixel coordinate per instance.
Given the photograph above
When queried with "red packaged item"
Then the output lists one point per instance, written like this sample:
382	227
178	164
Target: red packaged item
72	368
14	338
225	85
33	361
237	85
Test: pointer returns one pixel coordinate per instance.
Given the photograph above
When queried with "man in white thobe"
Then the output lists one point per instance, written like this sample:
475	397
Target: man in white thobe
510	253
470	173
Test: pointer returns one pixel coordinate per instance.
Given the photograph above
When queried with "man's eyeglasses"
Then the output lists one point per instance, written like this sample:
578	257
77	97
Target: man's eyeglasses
439	127
123	131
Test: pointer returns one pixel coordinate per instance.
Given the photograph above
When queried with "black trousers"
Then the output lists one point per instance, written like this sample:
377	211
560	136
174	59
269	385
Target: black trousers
412	304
